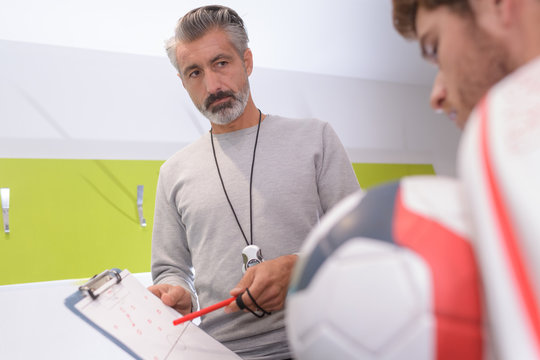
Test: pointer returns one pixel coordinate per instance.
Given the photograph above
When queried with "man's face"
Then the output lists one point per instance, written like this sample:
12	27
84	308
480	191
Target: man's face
215	76
470	61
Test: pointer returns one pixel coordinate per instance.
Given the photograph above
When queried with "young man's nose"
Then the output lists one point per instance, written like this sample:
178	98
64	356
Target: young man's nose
437	97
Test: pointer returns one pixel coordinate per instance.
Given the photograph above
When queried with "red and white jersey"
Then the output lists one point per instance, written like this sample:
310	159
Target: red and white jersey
499	165
430	218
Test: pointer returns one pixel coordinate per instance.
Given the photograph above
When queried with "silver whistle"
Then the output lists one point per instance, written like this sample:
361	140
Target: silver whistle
251	256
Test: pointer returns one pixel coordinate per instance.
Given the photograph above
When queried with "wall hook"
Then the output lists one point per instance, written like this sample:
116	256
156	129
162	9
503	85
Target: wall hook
140	191
4	195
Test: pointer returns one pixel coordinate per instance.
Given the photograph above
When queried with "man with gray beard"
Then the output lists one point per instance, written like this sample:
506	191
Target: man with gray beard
246	193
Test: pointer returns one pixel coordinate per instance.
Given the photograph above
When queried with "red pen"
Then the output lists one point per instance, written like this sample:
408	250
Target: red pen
204	311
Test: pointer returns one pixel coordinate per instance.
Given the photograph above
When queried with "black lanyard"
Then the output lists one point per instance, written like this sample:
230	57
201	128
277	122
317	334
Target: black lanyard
250	184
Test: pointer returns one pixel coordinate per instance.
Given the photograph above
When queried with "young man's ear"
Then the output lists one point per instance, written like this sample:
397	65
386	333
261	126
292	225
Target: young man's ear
506	10
248	61
501	12
495	15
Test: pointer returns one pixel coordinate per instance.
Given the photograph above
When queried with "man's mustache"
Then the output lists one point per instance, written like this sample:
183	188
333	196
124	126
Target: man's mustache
218	96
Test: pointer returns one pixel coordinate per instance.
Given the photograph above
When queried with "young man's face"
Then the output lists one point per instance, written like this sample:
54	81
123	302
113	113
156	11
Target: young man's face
215	76
470	61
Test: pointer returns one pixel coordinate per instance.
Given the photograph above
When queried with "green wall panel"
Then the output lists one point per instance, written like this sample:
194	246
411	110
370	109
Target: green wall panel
74	218
371	174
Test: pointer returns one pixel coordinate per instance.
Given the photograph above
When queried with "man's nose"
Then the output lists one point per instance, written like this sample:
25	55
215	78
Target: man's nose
213	82
437	97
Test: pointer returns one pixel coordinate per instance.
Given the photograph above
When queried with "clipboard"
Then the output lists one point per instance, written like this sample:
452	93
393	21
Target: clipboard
117	305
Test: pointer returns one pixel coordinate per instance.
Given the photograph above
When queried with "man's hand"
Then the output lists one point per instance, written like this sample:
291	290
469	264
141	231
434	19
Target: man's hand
174	296
268	283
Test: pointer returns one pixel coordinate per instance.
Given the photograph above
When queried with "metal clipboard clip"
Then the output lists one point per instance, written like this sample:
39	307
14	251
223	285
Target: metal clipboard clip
96	285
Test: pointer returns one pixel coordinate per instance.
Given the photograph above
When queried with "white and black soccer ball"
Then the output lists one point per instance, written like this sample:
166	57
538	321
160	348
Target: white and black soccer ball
357	294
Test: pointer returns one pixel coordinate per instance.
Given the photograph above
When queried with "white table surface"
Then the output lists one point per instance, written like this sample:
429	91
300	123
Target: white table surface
35	324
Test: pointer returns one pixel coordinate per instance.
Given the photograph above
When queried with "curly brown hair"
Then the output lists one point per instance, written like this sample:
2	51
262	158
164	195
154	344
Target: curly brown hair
404	12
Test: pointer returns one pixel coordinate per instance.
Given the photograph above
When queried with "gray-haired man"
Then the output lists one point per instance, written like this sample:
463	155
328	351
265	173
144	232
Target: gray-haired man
255	181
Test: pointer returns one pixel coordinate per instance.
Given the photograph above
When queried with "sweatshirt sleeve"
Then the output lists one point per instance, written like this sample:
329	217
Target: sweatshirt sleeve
336	177
171	258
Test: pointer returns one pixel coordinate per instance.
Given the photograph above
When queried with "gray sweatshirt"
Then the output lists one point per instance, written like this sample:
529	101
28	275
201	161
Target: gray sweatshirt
301	170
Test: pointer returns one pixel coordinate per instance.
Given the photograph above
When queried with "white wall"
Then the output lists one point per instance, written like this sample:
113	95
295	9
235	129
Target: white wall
90	80
352	38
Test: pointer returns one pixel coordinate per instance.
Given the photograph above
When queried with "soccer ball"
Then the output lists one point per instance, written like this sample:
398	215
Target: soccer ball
357	293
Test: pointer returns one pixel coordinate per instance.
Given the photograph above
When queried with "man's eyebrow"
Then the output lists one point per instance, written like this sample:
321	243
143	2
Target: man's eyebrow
189	68
220	56
214	59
